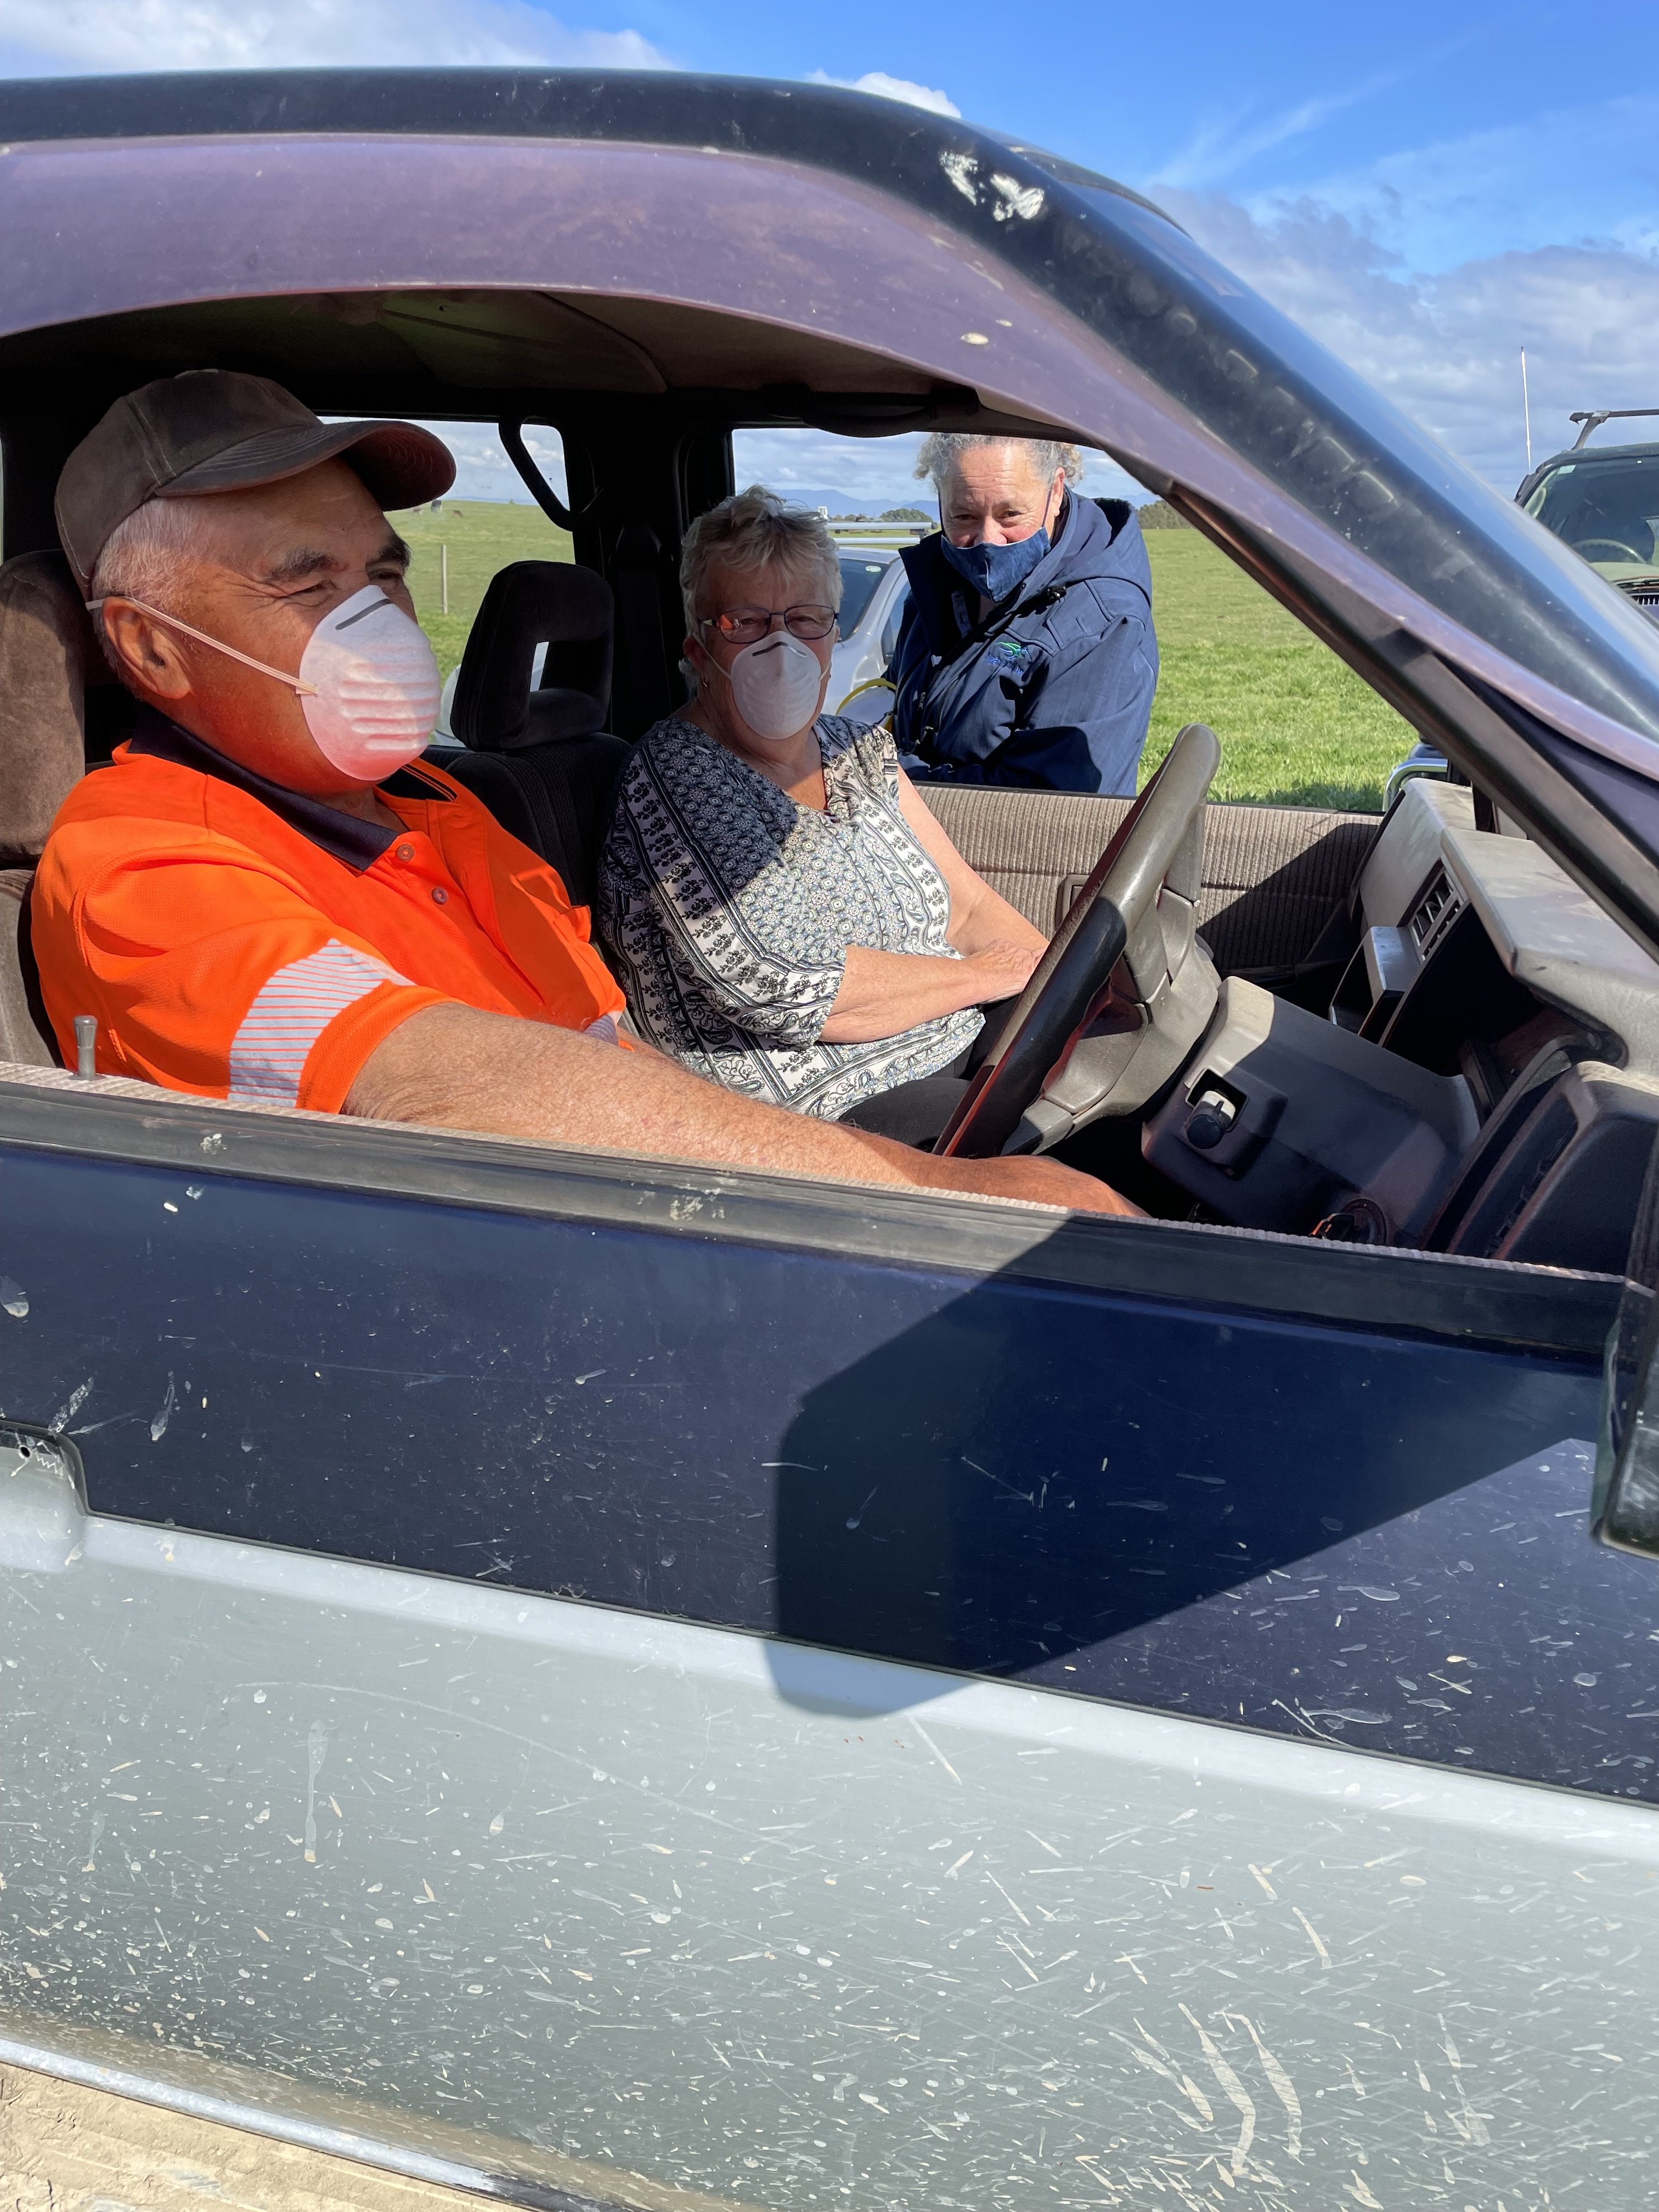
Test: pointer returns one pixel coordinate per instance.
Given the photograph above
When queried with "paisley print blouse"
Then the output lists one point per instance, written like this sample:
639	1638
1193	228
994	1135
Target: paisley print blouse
727	911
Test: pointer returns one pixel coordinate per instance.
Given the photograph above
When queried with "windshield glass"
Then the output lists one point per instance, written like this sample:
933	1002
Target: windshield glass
1607	508
1246	375
858	579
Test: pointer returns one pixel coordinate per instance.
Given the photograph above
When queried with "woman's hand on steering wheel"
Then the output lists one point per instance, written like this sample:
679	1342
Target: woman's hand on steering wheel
1114	916
1002	971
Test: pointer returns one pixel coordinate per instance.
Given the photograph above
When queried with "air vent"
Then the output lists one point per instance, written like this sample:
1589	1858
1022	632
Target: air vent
1435	913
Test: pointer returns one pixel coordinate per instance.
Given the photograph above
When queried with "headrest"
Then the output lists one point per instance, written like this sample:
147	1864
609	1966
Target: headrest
48	656
530	604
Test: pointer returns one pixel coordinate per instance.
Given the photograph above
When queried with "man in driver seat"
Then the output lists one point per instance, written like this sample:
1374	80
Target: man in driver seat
264	899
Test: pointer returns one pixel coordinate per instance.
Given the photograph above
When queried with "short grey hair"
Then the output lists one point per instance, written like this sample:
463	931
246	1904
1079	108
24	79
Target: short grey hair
941	451
755	530
144	557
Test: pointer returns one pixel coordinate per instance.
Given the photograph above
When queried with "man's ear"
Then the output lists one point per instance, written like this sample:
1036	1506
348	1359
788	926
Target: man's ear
148	654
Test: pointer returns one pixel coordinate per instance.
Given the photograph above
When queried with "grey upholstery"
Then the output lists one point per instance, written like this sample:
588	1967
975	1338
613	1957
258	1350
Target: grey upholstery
569	614
47	658
1273	876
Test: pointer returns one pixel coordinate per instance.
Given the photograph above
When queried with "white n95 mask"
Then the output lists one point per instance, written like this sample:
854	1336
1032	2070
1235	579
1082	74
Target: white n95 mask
375	689
368	682
777	685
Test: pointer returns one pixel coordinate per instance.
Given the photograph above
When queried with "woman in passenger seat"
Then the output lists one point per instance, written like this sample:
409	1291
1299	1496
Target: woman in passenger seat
783	912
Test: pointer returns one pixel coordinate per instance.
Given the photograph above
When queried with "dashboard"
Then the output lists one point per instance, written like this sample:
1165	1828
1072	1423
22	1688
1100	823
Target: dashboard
1485	1079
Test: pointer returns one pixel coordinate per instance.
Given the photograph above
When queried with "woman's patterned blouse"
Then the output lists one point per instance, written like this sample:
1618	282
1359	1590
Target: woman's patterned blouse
727	911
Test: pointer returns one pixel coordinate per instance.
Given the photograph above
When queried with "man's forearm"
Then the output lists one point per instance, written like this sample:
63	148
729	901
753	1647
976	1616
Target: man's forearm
452	1067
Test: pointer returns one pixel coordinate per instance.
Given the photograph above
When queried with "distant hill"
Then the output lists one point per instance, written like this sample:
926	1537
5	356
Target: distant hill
871	503
1155	513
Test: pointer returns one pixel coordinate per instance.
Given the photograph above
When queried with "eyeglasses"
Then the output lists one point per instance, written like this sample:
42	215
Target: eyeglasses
744	625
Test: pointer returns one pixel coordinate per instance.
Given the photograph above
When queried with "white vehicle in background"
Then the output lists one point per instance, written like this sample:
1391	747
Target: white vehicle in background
874	592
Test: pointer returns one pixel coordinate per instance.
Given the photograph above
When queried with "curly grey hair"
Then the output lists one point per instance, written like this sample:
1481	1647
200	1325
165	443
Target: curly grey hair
940	450
755	530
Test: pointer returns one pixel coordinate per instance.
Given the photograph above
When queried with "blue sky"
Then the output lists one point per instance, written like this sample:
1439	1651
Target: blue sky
1428	188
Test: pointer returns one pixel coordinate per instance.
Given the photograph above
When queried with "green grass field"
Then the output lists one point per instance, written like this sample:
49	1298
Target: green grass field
481	536
1297	728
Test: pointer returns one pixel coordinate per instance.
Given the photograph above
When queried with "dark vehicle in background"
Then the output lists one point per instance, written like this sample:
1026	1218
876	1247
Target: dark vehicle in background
1604	504
617	1683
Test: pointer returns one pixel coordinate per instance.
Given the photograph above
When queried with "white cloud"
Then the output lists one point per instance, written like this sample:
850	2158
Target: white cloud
483	469
869	475
1219	148
892	88
1446	346
156	34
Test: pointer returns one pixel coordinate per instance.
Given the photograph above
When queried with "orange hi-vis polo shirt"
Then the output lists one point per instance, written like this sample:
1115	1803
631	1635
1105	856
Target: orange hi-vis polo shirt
238	941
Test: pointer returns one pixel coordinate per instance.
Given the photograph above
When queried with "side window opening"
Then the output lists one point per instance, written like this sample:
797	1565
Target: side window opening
486	521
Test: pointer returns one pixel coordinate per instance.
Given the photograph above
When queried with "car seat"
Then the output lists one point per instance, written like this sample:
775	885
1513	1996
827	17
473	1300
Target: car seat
48	660
535	753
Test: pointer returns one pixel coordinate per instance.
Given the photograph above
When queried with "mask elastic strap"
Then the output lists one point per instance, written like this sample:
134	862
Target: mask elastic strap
294	683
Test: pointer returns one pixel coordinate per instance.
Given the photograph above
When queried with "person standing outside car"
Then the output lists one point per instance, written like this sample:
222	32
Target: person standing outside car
785	914
1026	655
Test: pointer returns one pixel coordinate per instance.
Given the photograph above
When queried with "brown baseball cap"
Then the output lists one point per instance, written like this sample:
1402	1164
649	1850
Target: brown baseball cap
214	430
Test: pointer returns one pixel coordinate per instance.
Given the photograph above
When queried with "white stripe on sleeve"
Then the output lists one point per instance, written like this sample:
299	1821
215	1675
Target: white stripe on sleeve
293	1009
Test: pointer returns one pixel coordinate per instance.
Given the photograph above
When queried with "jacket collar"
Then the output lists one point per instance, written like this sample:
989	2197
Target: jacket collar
948	606
344	837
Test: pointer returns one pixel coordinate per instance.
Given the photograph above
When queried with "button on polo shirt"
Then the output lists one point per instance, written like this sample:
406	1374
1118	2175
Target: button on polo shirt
237	940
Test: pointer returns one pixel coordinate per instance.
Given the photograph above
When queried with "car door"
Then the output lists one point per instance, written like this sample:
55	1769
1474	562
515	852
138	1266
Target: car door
572	1676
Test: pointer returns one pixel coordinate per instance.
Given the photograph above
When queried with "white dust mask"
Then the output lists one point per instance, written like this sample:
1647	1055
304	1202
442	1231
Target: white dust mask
368	682
777	685
375	689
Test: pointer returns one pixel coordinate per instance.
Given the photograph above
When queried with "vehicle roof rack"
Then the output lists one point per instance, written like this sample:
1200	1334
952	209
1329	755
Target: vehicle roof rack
1594	419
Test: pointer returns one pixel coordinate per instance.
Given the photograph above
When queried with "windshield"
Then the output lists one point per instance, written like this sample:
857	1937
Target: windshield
1607	508
858	579
1256	385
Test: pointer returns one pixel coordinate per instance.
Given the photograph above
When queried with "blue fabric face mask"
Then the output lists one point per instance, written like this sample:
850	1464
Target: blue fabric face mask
995	571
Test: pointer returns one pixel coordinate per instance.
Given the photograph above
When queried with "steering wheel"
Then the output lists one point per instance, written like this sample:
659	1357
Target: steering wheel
1124	991
1615	545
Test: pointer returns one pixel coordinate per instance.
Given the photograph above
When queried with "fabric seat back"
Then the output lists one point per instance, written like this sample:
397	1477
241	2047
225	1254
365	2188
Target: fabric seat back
48	657
531	704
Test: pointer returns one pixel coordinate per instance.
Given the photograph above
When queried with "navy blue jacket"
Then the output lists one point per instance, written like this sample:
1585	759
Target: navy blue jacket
1053	690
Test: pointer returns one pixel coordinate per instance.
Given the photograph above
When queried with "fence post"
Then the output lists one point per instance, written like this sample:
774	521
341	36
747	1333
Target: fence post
443	577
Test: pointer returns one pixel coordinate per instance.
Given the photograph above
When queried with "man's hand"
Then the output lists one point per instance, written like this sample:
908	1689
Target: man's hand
453	1067
1040	1182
